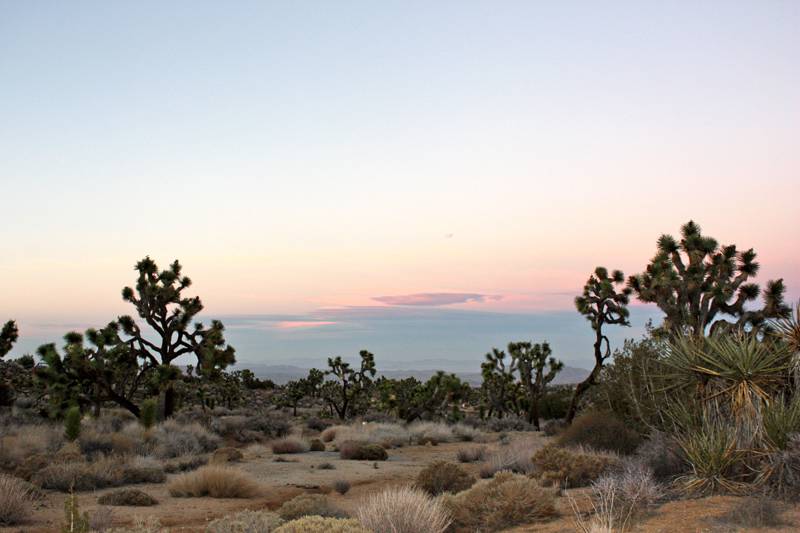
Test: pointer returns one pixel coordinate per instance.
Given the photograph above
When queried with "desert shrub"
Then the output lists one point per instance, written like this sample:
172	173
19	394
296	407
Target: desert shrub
143	470
326	466
465	433
186	463
32	464
268	426
246	522
402	510
17	442
68	453
148	413
93	443
72	423
317	445
442	476
80	476
227	454
171	439
571	467
471	455
509	423
342	486
127	497
289	445
216	482
551	428
758	511
620	497
317	424
430	432
501	502
662	454
329	434
362	451
140	525
112	420
318	524
600	431
100	520
515	457
387	435
74	520
308	505
16	500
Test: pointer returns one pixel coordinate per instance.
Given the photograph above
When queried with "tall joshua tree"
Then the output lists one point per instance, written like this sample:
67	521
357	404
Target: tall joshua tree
159	301
8	336
536	370
350	385
696	282
602	303
499	390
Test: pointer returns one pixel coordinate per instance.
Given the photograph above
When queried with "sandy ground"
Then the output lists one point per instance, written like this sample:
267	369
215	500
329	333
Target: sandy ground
284	480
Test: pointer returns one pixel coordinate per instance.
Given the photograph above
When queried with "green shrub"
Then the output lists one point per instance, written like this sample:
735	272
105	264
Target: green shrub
713	452
148	413
600	431
72	423
309	505
442	476
362	451
127	497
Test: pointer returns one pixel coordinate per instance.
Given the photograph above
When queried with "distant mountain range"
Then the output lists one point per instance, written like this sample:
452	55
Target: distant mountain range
281	374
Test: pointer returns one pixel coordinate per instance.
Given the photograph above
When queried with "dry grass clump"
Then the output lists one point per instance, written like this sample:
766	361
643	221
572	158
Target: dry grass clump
600	431
386	435
329	434
246	522
514	457
430	432
317	445
317	424
326	466
171	439
143	470
216	482
442	476
227	454
127	497
471	455
16	500
759	511
21	441
184	464
318	524
501	502
342	486
309	505
403	510
140	525
466	433
571	467
290	445
79	476
362	451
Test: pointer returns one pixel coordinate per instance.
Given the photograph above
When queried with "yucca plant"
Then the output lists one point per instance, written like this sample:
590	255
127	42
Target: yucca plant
712	450
788	329
781	419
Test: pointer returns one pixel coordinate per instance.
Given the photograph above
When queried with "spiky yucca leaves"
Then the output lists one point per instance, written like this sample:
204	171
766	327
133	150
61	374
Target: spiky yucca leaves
8	336
603	302
696	282
159	301
781	419
788	329
712	450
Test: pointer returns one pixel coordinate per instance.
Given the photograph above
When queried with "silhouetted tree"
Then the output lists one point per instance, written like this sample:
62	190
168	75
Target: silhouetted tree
8	336
159	301
499	390
410	399
602	304
349	386
696	282
531	361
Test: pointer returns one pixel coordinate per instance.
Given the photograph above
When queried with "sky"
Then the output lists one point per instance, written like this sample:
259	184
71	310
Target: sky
451	157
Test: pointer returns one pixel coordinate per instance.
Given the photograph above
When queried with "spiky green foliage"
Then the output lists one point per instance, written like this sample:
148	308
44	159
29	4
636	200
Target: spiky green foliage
697	283
349	387
537	368
8	336
409	399
781	419
712	450
104	370
159	301
604	302
788	330
149	413
72	423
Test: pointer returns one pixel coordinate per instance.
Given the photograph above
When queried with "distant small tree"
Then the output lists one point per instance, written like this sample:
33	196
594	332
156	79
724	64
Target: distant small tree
149	413
159	301
348	386
294	392
602	303
537	368
8	336
696	283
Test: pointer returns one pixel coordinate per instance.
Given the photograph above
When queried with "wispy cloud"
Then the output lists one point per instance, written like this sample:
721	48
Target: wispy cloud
302	324
435	298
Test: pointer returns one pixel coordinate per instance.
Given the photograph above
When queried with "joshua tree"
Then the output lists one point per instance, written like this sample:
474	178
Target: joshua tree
8	336
105	370
410	399
159	302
531	361
294	392
349	386
602	304
696	282
499	390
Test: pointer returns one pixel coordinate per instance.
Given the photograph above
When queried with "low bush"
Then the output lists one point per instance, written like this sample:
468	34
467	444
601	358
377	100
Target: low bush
329	434
184	464
663	455
316	424
216	482
571	467
127	497
171	439
309	505
430	432
442	476
93	443
758	511
100	520
621	497
362	451
386	435
318	524
402	510
342	486
504	501
509	423
143	470
514	457
267	426
551	428
466	433
79	476
227	454
246	522
289	445
471	455
16	500
317	445
600	431
326	466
